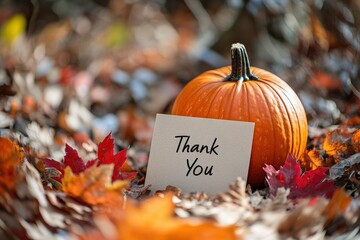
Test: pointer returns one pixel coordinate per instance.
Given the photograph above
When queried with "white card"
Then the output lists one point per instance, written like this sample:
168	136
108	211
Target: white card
198	154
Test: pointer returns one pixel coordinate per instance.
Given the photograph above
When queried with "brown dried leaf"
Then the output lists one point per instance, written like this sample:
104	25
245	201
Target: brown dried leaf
312	159
236	194
304	221
322	37
169	189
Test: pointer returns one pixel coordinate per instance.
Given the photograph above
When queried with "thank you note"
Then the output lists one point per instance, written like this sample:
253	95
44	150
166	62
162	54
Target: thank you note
198	154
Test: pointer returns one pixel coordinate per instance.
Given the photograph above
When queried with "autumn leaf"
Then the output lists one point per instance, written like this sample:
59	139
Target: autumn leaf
11	156
313	159
13	28
94	185
72	160
105	156
337	205
154	219
355	141
354	121
301	185
346	172
54	166
338	170
323	80
338	143
321	36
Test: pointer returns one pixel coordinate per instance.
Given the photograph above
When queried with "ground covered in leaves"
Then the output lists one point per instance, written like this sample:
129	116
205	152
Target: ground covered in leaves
81	82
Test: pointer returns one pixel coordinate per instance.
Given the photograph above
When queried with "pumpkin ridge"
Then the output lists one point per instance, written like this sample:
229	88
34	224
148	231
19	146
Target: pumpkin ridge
298	135
248	101
293	141
268	107
214	97
232	97
279	83
302	145
194	94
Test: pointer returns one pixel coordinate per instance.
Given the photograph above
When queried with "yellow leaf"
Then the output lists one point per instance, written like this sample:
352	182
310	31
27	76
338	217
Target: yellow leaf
115	35
13	28
94	186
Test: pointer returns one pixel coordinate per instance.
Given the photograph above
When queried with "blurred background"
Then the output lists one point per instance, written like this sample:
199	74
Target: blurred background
74	70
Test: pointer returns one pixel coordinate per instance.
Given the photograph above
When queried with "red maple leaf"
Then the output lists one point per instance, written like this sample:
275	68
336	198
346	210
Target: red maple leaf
105	156
301	185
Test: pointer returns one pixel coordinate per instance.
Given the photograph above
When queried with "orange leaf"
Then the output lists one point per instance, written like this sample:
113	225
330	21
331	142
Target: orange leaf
154	219
323	80
338	143
353	121
337	205
94	186
355	140
11	156
322	37
312	159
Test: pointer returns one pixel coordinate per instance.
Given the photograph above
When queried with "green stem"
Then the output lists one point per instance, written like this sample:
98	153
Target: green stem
240	64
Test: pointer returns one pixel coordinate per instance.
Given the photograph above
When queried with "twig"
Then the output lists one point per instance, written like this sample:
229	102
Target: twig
33	16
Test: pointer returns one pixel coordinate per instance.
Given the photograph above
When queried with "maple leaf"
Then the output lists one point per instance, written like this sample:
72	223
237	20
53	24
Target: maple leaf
72	160
301	185
94	185
105	156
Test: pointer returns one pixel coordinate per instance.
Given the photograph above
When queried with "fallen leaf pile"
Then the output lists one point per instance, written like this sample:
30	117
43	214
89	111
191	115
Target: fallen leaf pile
90	205
337	150
81	83
30	211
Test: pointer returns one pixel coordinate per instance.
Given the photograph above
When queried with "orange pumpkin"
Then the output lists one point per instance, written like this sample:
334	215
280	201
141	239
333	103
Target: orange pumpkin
244	93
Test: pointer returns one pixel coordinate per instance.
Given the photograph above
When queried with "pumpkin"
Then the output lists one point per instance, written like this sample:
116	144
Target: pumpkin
243	93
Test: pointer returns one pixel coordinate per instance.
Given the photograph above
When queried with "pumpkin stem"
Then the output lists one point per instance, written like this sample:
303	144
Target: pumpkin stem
240	64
